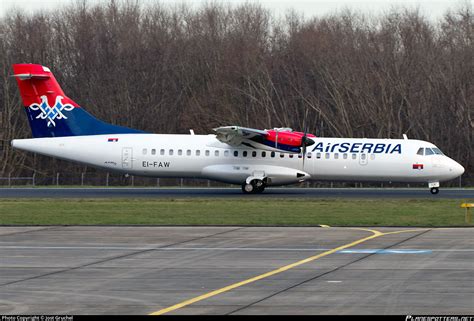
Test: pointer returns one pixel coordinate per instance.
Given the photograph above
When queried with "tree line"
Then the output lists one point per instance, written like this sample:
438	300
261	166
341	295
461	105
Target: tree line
166	69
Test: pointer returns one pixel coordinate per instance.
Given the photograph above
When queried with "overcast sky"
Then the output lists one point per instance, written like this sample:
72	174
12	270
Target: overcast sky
433	9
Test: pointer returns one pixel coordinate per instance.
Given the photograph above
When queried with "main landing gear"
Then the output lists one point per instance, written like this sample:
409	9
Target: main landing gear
434	187
254	187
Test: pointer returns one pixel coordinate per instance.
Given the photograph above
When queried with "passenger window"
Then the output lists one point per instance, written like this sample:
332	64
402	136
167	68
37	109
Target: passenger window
344	156
162	151
309	155
336	156
363	156
327	155
198	152
144	151
428	151
272	154
188	152
171	152
216	153
236	153
282	155
207	152
264	154
180	152
226	153
354	156
254	154
420	151
244	153
153	151
372	156
291	155
318	155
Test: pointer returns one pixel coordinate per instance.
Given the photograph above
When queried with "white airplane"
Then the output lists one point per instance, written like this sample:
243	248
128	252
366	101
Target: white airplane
249	157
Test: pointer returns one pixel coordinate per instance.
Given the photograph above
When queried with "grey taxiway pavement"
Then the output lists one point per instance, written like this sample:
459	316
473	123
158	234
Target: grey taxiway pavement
234	193
236	270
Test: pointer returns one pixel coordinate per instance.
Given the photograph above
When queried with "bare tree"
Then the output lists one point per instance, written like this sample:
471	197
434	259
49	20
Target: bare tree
166	69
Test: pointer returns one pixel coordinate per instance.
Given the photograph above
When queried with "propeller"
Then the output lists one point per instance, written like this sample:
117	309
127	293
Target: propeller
303	146
304	139
276	138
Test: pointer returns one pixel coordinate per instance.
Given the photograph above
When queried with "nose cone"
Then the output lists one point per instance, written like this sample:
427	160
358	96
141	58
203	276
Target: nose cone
307	141
456	169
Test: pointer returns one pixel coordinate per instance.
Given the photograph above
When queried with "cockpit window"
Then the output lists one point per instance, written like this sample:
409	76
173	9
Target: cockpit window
429	151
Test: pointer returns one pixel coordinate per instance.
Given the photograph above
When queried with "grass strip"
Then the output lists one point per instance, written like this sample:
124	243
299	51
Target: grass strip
292	212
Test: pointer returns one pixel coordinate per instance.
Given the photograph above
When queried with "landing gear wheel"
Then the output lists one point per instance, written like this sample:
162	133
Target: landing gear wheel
248	188
260	189
434	190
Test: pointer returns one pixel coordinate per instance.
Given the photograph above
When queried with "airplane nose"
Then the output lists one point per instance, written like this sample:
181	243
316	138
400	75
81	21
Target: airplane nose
457	169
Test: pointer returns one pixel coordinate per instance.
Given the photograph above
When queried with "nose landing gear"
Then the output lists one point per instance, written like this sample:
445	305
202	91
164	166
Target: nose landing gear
434	187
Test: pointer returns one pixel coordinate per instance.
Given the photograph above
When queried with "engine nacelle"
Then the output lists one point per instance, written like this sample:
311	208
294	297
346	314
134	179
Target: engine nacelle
289	138
238	174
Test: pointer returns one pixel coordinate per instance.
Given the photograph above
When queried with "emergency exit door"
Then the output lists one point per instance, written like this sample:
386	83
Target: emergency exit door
127	154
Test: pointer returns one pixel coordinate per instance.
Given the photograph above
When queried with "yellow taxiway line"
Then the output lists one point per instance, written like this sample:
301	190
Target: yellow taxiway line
208	295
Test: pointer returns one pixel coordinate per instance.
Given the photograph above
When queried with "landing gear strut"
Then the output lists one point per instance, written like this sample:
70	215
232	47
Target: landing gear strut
254	187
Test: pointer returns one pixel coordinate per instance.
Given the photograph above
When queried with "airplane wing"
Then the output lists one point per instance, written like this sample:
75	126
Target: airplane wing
277	139
235	135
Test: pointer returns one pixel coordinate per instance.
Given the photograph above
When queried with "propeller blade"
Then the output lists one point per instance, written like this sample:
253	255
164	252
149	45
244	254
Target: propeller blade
304	154
304	139
303	143
276	138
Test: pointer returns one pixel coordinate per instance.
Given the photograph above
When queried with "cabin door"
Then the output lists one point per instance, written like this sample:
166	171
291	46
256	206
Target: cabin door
127	162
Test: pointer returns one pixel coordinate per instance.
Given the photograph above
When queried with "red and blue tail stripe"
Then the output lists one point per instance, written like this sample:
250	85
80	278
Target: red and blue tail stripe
50	112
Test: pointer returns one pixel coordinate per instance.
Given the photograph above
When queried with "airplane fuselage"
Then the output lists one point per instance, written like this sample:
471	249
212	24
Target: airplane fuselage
203	156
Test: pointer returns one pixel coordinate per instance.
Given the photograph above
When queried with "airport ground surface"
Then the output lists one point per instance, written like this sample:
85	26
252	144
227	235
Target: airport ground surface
451	193
141	270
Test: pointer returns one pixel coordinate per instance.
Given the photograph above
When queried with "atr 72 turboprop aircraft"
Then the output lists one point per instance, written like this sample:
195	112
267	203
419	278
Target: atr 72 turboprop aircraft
249	157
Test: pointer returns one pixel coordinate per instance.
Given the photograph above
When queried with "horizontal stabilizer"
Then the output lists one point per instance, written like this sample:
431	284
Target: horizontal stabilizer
31	76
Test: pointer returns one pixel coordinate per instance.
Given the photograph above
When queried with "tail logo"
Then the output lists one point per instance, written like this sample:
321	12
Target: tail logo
51	113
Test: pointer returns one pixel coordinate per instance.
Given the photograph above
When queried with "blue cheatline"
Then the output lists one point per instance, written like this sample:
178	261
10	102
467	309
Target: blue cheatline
382	251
